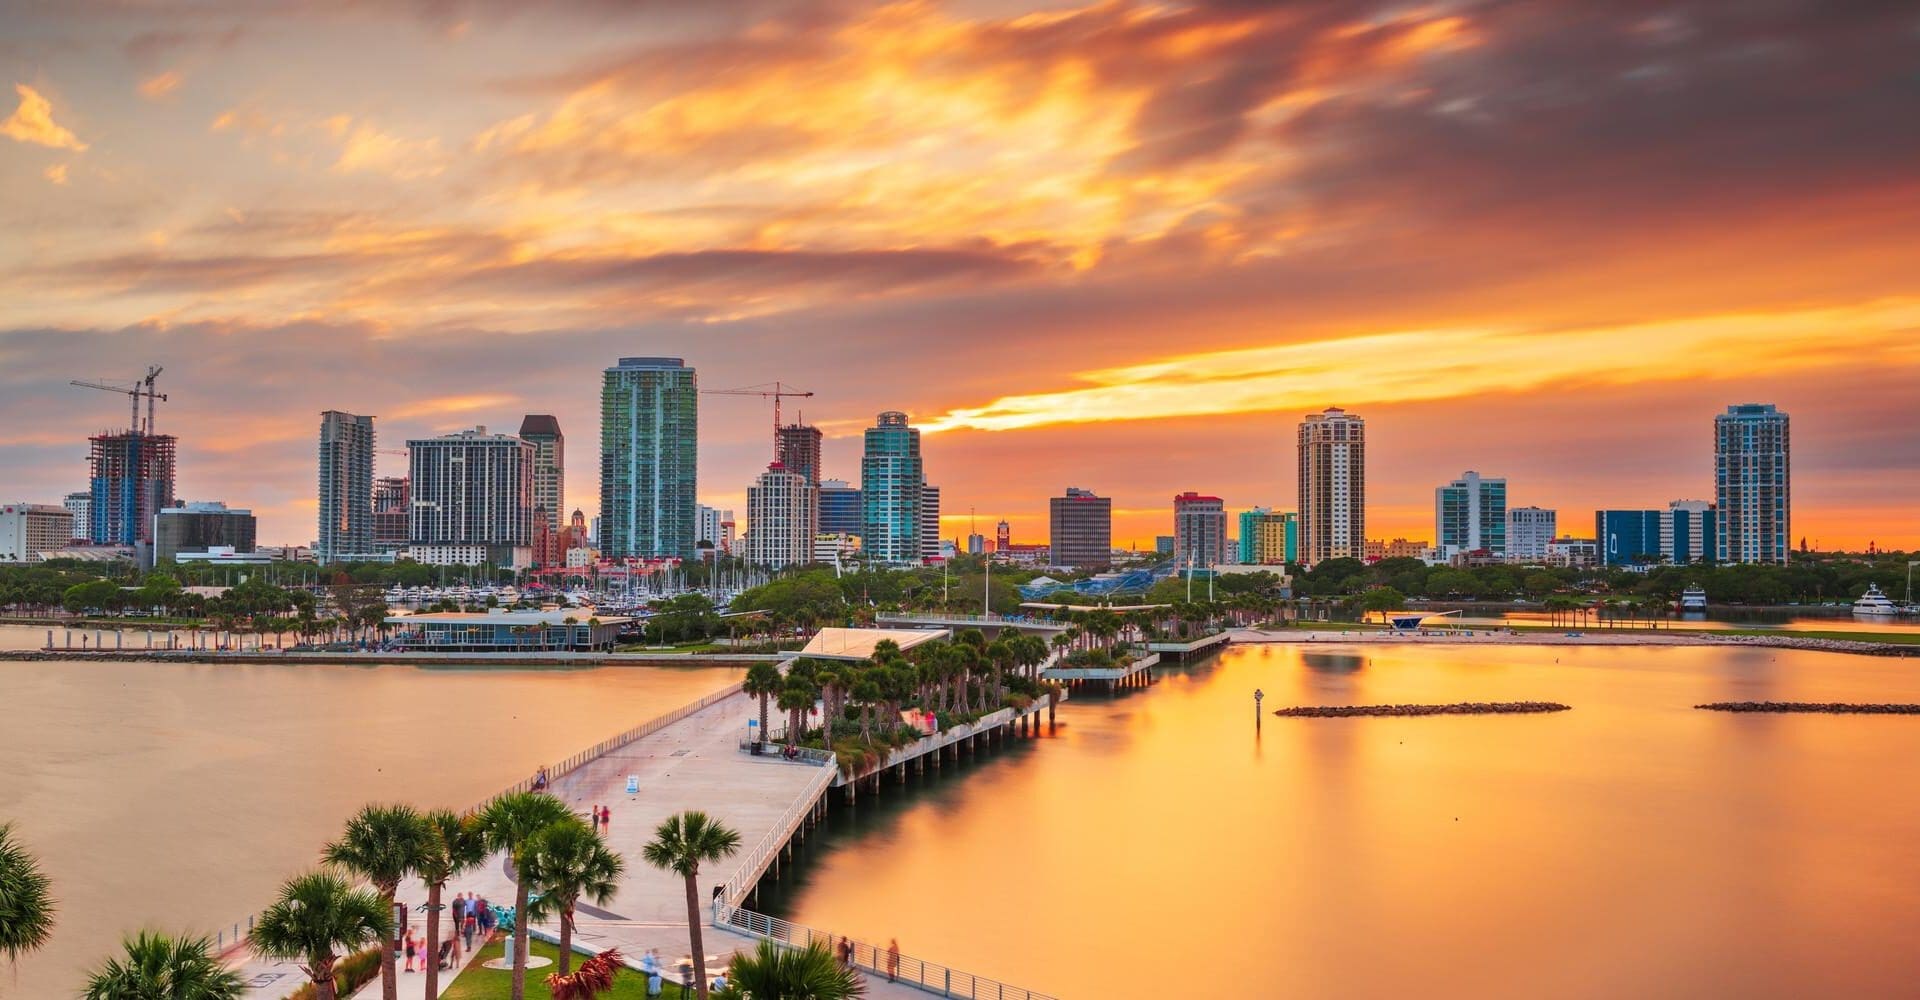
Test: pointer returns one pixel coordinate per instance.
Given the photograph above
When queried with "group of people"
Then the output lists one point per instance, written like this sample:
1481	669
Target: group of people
472	917
849	959
651	967
602	820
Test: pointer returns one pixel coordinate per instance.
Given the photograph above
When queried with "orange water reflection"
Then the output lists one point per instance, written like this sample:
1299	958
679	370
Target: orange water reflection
1630	847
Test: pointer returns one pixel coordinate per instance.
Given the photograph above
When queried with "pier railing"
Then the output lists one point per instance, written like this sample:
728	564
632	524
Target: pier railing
755	861
905	969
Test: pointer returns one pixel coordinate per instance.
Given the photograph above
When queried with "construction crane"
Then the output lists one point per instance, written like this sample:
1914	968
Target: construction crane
775	391
137	388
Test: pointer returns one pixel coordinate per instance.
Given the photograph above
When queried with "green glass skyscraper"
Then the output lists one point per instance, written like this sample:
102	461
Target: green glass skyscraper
892	491
649	445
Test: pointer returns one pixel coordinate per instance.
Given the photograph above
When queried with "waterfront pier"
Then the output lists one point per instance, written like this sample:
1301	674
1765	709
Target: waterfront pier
692	759
1137	672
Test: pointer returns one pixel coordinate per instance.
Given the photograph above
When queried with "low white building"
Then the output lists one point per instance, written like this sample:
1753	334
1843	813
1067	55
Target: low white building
1573	552
30	530
472	554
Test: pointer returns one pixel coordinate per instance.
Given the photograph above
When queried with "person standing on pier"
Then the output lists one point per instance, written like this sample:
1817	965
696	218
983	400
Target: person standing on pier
893	958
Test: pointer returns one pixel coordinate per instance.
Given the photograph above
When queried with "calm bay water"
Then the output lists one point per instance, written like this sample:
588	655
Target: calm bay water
179	795
1631	847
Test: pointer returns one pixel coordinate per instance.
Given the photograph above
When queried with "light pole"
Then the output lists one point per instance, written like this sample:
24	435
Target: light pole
1257	695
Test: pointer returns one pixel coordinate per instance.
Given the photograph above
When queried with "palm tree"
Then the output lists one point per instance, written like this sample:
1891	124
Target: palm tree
796	697
317	918
568	861
454	844
157	967
510	822
763	682
776	973
680	844
382	844
26	905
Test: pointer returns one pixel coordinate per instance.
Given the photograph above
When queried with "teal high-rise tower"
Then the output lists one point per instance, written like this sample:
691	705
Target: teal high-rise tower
649	444
892	491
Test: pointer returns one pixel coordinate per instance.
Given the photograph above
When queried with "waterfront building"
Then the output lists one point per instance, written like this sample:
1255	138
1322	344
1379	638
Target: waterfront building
471	495
1689	532
1199	530
1753	484
1576	553
839	508
1470	515
1684	532
892	491
224	555
501	631
132	477
346	485
1529	529
649	458
391	504
781	513
1002	536
542	430
30	530
1268	537
80	505
930	541
201	526
1333	487
1080	529
797	446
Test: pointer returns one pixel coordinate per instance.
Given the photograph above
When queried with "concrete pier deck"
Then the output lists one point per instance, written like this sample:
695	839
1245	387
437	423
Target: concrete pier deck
692	763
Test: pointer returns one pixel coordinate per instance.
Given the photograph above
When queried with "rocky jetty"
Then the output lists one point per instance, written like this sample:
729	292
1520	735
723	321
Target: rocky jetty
1819	707
1460	708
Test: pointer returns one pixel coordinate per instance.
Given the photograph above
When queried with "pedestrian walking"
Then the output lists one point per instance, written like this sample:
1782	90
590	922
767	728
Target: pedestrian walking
413	948
459	910
893	958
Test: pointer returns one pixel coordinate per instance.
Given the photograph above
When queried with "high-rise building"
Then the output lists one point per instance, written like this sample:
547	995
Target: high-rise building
976	544
892	491
29	529
716	529
839	508
391	504
1268	537
200	526
346	486
797	446
930	539
132	480
1080	529
542	430
471	499
1199	530
1333	487
781	513
649	444
1163	545
1002	536
79	505
1753	484
1470	515
1529	529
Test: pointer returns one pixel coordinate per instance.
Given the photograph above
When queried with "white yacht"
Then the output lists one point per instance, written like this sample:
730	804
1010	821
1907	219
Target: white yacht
1693	598
1874	603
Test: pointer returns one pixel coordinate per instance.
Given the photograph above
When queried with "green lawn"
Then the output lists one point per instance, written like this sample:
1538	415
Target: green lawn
481	983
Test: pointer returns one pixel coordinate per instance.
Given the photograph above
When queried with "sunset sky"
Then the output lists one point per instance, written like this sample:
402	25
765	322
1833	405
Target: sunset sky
1116	245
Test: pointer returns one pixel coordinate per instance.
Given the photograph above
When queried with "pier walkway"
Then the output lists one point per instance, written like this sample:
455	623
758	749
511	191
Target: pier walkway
983	622
689	759
1137	672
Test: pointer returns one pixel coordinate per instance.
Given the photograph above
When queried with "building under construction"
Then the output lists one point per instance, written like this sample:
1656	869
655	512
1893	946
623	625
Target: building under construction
132	480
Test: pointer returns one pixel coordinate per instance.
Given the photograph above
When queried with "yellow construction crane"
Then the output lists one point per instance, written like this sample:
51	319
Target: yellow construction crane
137	388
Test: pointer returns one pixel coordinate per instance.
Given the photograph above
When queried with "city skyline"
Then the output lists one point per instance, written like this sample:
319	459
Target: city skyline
1207	221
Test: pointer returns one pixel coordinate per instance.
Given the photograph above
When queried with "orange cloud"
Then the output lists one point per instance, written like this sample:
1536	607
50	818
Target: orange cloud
32	122
1445	364
369	149
155	87
56	174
